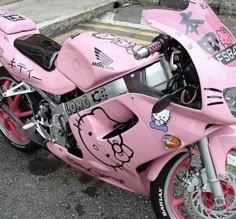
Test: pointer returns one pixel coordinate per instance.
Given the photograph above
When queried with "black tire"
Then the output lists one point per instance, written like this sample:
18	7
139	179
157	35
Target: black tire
170	200
25	101
157	189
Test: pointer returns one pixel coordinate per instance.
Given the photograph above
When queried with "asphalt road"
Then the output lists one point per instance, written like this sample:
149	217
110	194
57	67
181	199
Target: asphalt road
40	186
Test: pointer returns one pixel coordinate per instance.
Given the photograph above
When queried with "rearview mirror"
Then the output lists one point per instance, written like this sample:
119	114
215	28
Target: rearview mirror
162	103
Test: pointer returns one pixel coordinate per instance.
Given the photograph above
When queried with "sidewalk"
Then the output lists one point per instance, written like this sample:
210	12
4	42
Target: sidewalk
133	16
53	16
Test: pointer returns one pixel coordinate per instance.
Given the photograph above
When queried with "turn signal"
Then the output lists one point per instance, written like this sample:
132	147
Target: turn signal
171	142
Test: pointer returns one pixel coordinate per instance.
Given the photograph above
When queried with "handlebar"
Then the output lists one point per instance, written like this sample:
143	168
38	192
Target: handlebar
146	51
152	48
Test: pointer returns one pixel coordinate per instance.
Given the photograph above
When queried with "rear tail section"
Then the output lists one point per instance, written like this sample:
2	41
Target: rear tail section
12	23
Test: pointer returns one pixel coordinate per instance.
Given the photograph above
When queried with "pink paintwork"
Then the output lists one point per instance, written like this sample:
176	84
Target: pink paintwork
82	65
11	23
29	72
91	61
175	24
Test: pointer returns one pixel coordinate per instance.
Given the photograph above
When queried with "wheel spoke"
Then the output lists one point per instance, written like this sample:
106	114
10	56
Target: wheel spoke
22	109
177	201
15	132
10	102
24	114
15	102
183	165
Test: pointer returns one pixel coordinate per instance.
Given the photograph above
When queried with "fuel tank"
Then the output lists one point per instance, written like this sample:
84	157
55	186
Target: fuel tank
92	59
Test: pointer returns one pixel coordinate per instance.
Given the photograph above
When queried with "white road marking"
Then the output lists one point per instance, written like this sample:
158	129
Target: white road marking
231	159
108	18
142	19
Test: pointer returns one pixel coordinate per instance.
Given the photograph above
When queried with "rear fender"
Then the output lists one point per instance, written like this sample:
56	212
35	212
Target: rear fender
220	143
157	165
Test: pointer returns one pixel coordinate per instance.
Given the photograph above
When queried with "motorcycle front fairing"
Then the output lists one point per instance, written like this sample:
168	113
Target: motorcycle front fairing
212	49
199	23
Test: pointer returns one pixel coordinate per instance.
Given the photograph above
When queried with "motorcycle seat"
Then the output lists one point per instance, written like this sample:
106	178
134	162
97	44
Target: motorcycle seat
40	49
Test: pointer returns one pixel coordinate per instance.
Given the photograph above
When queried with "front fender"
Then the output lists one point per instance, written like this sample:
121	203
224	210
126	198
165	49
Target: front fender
220	143
157	165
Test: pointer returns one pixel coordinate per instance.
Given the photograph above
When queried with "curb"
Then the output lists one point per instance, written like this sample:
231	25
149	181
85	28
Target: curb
58	25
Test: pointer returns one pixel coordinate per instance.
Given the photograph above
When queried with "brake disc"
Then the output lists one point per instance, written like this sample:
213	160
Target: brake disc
196	208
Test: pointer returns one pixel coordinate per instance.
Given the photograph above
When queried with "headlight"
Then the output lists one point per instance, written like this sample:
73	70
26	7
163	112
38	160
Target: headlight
230	98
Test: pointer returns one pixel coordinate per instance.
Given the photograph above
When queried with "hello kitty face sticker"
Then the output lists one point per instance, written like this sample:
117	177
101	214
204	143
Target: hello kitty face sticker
160	120
122	152
225	37
113	151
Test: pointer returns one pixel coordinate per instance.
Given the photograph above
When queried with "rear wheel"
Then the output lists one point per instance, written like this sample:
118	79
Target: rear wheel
171	200
22	106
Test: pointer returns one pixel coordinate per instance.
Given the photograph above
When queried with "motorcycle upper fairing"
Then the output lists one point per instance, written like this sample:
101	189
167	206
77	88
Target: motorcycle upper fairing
199	23
200	31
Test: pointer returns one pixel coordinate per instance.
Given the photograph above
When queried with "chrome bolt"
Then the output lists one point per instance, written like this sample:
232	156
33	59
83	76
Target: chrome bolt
219	201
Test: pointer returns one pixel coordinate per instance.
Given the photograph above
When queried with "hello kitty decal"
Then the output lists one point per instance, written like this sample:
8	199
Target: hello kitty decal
159	121
225	37
216	41
112	152
93	172
221	44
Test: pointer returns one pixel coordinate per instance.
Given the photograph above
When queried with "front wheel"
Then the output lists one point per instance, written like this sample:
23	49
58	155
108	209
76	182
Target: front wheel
22	106
171	200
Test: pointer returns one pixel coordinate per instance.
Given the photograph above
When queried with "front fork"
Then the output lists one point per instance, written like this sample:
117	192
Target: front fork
212	179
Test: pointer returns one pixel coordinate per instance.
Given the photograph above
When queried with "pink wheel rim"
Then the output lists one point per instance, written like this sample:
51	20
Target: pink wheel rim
176	202
207	198
14	103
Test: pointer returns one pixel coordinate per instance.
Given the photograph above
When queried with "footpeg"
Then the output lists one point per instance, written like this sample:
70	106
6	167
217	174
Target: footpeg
29	125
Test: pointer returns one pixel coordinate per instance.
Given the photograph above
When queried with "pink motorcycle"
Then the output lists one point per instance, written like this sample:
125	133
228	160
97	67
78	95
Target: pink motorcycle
158	120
